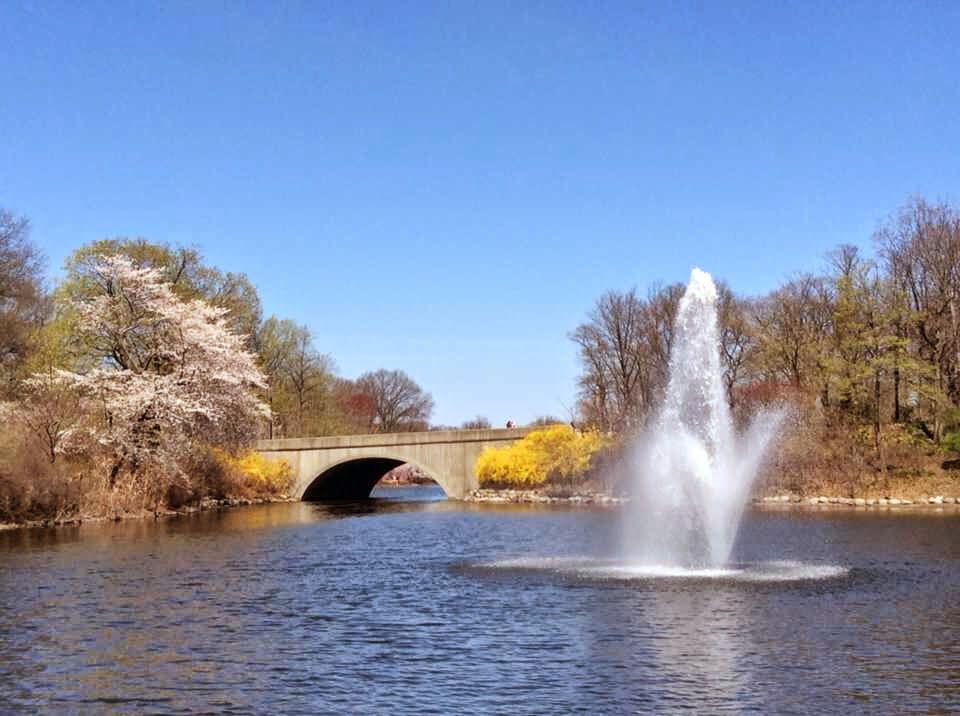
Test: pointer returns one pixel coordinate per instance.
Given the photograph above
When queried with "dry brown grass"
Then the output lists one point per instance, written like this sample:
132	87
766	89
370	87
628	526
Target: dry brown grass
34	490
31	487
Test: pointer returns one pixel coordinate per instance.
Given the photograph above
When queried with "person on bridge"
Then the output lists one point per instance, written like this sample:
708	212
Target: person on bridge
509	423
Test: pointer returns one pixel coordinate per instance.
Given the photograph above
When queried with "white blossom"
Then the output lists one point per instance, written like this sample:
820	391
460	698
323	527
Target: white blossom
169	371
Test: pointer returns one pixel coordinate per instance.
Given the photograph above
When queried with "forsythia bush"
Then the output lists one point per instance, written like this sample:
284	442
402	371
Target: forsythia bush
556	453
257	472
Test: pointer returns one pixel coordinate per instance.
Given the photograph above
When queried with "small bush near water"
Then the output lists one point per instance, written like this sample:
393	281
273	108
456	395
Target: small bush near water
951	442
253	473
552	455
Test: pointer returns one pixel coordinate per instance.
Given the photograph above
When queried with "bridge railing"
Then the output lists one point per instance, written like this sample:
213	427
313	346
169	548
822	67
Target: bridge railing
430	437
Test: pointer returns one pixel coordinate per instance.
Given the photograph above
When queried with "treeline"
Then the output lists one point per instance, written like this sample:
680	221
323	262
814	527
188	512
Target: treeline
867	352
140	378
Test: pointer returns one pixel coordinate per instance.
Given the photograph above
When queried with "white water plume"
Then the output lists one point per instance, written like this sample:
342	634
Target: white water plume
693	469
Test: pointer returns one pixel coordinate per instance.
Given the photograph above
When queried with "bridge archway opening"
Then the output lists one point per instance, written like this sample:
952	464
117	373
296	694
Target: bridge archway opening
352	479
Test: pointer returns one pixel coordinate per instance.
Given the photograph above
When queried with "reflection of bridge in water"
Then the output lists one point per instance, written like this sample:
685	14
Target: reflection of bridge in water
348	466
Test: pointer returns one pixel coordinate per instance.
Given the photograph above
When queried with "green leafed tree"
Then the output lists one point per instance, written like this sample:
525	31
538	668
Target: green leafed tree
183	268
24	305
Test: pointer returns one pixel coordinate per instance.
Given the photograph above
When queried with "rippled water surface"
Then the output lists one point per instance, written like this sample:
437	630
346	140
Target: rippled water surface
426	606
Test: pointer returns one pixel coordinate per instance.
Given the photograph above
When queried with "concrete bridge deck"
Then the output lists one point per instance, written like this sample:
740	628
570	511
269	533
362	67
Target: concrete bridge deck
348	466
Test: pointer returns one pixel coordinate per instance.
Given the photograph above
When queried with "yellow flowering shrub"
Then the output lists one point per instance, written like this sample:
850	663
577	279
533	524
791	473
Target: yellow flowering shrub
556	453
256	472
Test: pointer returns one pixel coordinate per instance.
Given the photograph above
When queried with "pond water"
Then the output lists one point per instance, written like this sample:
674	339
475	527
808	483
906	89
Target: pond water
411	604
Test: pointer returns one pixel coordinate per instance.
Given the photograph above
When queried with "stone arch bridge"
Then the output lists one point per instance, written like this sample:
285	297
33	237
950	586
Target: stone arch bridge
348	466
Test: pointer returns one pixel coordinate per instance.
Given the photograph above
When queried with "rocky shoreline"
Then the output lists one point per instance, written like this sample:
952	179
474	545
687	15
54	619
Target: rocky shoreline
786	500
819	500
543	498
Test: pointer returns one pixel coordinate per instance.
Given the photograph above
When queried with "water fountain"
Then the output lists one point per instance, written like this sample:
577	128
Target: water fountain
693	469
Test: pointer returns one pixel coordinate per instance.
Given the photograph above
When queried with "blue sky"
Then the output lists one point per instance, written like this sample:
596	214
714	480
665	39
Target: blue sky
446	187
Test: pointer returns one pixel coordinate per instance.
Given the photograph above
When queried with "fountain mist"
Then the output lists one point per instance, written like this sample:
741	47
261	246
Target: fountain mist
693	470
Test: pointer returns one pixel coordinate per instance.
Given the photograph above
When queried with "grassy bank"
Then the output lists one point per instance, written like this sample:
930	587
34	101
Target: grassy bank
205	505
43	493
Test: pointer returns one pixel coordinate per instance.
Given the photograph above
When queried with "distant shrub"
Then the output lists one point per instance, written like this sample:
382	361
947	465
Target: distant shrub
545	421
551	455
896	435
255	472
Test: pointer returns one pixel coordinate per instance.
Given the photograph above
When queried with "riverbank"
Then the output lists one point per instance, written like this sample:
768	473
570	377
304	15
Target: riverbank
488	496
826	500
205	505
781	500
544	497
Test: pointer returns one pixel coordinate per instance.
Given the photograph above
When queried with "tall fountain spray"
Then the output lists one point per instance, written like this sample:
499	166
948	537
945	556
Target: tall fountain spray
693	469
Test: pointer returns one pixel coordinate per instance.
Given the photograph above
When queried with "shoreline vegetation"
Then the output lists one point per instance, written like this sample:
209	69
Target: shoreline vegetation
137	385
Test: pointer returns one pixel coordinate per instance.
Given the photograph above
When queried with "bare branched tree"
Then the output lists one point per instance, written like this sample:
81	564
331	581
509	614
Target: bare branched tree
737	338
614	368
478	423
921	250
624	349
399	403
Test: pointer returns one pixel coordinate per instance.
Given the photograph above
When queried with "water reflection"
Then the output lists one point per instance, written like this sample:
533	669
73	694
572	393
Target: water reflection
706	641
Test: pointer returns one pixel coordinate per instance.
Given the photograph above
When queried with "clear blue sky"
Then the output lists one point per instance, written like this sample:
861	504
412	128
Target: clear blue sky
447	187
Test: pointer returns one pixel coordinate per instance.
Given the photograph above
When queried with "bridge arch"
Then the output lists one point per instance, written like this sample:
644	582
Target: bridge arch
354	478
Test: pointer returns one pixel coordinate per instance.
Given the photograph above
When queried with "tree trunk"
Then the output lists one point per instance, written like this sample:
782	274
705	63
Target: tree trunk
271	414
896	394
876	410
937	427
955	321
115	471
